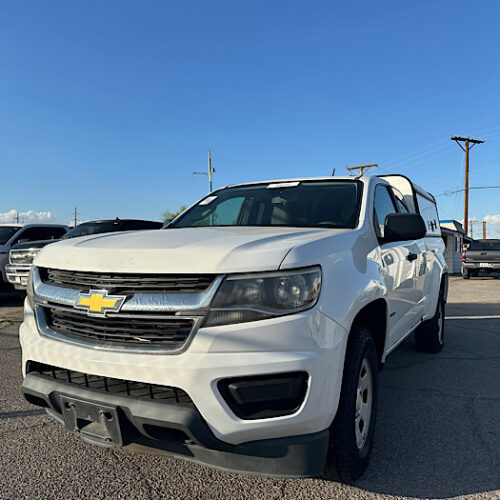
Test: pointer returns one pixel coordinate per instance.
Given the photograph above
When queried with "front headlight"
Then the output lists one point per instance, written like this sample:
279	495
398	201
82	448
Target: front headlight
266	295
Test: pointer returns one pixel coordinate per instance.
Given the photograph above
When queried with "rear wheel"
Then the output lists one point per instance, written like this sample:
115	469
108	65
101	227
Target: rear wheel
352	431
429	336
465	274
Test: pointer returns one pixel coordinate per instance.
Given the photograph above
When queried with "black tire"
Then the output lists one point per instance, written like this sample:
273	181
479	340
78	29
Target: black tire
465	274
347	460
429	336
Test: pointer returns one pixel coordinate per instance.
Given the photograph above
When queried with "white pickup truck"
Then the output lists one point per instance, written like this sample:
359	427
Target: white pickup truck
249	333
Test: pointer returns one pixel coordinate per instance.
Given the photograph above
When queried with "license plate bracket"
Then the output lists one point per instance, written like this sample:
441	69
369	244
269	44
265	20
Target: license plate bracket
94	422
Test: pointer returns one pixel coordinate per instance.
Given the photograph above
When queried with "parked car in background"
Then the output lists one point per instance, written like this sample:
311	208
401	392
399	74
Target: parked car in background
249	333
12	234
481	256
22	255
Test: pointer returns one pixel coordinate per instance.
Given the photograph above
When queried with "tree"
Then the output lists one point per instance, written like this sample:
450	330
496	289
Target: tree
172	215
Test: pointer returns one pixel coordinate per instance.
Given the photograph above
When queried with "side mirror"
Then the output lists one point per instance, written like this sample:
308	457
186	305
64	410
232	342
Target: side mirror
403	227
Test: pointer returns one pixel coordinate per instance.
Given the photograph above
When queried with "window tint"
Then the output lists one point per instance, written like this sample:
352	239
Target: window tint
383	207
492	245
87	228
130	225
293	204
52	233
40	233
7	232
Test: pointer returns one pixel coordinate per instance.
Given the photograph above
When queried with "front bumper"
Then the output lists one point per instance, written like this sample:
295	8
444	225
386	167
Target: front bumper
17	275
118	420
307	342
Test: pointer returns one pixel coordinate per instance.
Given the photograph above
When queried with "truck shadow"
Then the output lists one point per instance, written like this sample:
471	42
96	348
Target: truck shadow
10	299
437	429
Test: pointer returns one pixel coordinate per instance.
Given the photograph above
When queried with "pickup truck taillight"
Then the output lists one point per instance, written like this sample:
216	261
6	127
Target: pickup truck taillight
463	257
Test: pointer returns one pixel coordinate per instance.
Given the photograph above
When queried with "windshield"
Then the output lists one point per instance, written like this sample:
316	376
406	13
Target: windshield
493	245
297	204
6	232
92	228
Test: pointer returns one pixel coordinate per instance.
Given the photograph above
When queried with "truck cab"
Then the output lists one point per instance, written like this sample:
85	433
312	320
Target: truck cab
22	254
12	234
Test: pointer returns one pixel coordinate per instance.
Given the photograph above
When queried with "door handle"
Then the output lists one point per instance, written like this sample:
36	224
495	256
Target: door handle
411	256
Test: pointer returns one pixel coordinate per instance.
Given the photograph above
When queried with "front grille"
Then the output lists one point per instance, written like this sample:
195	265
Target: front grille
127	283
22	257
160	393
145	332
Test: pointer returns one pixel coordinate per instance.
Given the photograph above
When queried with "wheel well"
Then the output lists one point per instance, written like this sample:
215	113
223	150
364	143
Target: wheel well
374	318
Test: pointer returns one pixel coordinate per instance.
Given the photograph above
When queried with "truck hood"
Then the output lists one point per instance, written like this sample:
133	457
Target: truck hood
186	250
33	244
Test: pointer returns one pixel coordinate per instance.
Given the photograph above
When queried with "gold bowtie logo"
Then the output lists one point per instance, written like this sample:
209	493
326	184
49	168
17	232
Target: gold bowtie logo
98	302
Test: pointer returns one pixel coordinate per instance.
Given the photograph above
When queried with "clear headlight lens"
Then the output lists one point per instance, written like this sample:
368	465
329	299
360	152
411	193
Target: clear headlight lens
266	295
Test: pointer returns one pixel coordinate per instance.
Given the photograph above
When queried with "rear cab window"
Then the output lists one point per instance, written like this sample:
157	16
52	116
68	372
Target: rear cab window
485	246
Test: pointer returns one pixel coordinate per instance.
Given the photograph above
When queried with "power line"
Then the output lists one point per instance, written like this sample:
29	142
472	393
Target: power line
449	193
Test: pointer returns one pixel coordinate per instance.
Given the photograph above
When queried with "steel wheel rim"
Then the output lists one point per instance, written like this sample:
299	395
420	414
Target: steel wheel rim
364	402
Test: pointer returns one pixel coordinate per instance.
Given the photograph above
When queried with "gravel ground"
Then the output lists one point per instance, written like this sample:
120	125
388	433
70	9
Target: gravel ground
437	432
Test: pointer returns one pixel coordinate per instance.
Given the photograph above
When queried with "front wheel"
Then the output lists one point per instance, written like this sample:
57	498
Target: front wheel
429	336
352	431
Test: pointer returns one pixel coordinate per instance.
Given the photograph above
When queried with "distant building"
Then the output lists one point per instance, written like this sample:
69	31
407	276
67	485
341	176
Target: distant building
454	239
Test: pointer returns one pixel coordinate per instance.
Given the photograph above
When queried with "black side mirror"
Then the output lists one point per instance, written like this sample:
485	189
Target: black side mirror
403	227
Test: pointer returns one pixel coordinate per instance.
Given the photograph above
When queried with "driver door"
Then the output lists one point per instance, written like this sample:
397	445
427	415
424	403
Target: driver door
399	270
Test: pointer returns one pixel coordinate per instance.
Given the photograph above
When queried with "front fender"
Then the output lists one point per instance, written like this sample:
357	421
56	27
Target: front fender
351	275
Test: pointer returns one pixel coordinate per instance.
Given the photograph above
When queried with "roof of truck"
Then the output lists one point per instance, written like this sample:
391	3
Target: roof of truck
365	178
297	179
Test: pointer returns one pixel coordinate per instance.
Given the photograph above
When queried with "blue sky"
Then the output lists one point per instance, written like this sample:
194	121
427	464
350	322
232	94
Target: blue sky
110	106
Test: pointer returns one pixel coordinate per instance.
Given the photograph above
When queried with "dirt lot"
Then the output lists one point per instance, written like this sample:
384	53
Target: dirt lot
438	429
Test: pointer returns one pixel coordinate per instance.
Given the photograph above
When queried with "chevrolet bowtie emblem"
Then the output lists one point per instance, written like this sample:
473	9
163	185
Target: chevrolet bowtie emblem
98	302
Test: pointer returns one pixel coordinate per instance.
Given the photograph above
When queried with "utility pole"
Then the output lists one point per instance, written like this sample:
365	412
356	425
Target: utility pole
75	216
469	144
484	229
361	168
209	172
17	217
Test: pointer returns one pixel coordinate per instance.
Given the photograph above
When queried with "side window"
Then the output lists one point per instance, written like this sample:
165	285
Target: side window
383	206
